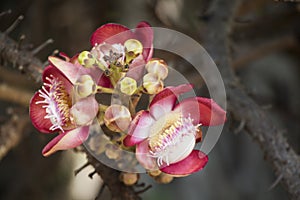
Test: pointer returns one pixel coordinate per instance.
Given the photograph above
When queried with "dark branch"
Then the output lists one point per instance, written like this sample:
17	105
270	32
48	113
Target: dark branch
110	176
11	54
278	152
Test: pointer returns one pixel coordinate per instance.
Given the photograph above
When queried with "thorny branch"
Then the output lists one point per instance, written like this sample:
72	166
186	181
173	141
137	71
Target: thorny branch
11	53
278	152
110	177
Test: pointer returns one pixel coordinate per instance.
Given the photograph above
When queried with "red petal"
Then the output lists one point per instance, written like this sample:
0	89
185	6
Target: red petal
139	128
67	140
193	163
71	71
164	101
107	32
37	114
202	110
143	156
144	33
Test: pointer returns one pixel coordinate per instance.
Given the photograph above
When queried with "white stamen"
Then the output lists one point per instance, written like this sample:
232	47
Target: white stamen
50	106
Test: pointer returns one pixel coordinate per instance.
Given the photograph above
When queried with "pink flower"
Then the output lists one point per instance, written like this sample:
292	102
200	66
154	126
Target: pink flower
118	34
112	43
52	108
166	134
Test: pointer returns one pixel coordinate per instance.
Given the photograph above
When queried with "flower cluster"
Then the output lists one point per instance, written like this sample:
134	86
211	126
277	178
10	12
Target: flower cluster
120	62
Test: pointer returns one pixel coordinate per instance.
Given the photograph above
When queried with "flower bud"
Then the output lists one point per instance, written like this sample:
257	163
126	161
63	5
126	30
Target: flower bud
85	86
86	59
164	178
129	178
154	173
133	49
152	83
117	118
158	67
127	85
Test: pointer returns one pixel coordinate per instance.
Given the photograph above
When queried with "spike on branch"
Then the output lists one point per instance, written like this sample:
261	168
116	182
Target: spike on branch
14	25
7	12
42	46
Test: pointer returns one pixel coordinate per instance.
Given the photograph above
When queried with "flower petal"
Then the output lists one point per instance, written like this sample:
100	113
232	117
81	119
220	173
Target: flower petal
84	110
55	72
193	163
136	69
164	101
37	115
202	110
71	71
144	33
182	150
67	140
139	128
143	156
111	33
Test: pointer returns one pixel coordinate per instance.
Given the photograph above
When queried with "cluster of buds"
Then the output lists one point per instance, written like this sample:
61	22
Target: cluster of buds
162	137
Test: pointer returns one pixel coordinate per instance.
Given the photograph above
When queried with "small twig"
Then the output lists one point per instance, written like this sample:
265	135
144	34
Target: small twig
81	168
144	190
42	46
20	41
240	127
5	13
278	179
100	191
92	174
14	25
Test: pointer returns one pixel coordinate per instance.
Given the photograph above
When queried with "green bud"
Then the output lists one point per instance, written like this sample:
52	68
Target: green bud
127	85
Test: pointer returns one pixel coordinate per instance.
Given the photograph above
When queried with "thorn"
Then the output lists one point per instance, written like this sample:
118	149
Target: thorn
55	52
81	168
14	24
21	39
92	174
276	182
240	127
5	12
43	45
100	191
144	190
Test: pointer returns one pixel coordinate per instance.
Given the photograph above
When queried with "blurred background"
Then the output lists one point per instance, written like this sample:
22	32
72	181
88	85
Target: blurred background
266	56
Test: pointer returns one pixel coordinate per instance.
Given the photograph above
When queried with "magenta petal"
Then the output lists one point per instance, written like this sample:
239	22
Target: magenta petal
144	33
143	156
67	140
193	163
37	115
70	71
139	128
164	101
111	33
202	110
